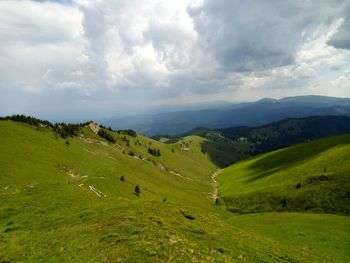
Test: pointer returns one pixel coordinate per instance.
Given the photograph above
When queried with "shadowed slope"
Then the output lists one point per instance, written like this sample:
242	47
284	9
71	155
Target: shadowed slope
311	176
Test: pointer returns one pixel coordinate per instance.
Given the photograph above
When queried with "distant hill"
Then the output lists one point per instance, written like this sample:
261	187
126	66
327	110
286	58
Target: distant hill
308	177
249	141
282	133
245	114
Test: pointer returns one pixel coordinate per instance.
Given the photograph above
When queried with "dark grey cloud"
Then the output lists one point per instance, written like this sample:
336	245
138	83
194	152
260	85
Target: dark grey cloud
257	35
245	36
342	38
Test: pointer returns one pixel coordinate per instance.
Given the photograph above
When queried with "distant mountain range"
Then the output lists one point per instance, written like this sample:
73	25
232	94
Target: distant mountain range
229	115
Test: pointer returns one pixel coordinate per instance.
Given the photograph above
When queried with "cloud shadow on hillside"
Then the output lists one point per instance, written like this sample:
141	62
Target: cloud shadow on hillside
291	156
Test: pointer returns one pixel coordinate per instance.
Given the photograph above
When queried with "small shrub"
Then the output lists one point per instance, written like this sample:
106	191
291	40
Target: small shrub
137	190
283	201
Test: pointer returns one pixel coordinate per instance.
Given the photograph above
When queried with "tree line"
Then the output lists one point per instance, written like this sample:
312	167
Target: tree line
106	135
64	130
155	152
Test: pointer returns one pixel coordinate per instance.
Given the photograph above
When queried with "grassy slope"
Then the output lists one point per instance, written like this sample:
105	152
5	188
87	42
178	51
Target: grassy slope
270	182
42	157
221	151
324	235
45	215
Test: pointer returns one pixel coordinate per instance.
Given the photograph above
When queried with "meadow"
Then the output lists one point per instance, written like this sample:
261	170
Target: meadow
74	200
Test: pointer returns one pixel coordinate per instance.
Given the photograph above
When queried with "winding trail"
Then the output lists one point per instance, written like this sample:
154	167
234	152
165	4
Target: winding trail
215	184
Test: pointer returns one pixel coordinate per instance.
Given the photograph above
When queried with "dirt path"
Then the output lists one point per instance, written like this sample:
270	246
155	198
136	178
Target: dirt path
96	192
215	184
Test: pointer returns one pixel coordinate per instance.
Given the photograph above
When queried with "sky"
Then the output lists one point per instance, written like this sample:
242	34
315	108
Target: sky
89	59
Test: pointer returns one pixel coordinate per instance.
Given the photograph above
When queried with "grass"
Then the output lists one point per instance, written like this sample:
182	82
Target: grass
313	234
44	159
49	213
308	177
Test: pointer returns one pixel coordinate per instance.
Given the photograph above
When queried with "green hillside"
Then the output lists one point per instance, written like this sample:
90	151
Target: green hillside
182	174
276	135
63	200
308	177
221	151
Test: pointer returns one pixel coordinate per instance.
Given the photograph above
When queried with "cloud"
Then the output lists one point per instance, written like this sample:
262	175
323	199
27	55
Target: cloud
341	38
113	54
41	45
304	71
245	37
343	81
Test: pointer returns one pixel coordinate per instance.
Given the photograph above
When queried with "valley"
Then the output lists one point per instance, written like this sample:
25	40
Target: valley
75	199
